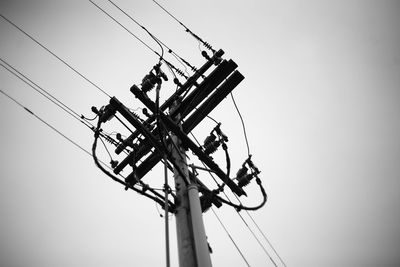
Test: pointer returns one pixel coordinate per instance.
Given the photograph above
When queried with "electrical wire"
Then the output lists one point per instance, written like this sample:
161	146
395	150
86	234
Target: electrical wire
243	125
248	152
46	123
228	202
104	144
51	98
254	235
257	239
207	45
123	123
98	162
126	29
52	53
44	93
266	239
230	237
160	56
159	42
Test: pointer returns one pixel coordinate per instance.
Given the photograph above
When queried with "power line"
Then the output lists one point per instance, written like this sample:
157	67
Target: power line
248	213
230	237
52	53
257	239
251	231
46	123
207	45
180	72
266	239
155	38
125	28
98	162
44	93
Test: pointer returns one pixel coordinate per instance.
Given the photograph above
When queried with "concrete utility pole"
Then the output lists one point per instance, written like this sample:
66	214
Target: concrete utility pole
192	242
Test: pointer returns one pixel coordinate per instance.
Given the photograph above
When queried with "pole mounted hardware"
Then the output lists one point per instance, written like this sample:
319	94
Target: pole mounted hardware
193	101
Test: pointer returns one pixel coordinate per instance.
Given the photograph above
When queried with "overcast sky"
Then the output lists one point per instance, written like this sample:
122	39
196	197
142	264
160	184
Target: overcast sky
321	103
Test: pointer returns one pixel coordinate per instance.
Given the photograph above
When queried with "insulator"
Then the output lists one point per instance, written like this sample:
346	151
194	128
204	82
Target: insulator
114	163
209	139
134	114
95	110
205	203
245	180
220	133
241	172
180	72
119	137
205	55
110	139
106	113
131	179
211	147
149	81
145	112
206	44
177	82
193	68
159	72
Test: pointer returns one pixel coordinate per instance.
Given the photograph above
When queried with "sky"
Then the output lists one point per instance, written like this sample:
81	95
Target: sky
320	101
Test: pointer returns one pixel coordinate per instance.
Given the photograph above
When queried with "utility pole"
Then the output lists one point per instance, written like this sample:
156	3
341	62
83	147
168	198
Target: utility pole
164	137
192	242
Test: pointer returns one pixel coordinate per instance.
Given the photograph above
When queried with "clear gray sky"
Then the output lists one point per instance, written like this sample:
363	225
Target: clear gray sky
320	102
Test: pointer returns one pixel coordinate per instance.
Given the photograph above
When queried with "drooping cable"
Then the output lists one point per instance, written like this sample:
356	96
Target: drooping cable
207	45
230	237
243	125
53	54
44	93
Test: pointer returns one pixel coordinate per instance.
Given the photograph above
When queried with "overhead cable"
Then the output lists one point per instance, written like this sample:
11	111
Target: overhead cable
194	69
230	237
248	213
52	53
44	92
243	126
266	239
160	56
46	123
99	163
207	45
